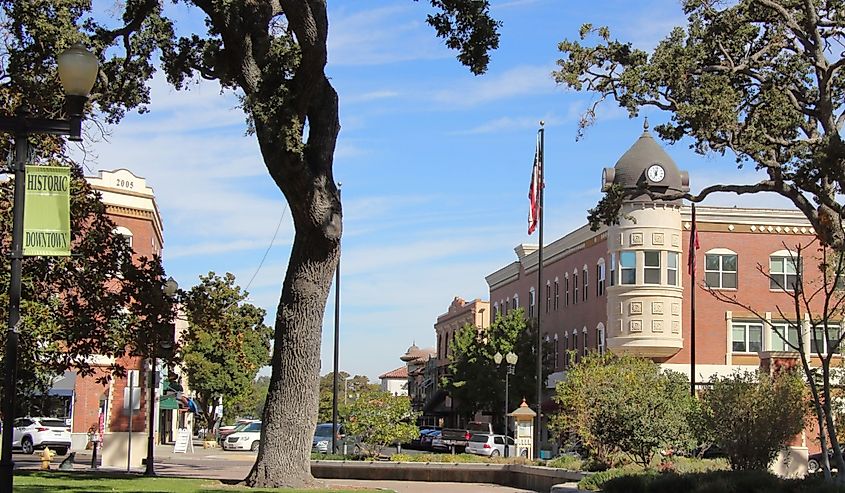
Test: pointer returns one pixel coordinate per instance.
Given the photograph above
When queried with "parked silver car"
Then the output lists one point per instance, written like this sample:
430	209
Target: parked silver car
490	445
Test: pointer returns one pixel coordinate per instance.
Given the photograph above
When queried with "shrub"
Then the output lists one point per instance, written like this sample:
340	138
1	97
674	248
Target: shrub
751	415
569	462
639	410
597	481
715	482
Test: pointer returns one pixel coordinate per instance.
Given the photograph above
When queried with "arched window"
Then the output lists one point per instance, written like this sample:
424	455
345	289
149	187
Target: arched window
515	301
720	268
575	287
532	301
585	274
784	270
548	301
557	293
126	233
600	343
600	277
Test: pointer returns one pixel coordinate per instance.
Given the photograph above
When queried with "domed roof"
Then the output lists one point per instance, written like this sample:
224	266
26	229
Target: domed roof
412	353
631	168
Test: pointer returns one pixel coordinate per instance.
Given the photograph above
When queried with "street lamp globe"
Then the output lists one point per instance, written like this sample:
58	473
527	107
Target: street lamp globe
497	358
77	70
511	358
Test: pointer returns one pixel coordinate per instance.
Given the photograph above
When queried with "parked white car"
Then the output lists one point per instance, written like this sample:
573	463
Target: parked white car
246	438
32	434
490	445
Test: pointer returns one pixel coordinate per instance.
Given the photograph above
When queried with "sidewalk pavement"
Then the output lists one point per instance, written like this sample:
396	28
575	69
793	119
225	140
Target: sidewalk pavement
207	464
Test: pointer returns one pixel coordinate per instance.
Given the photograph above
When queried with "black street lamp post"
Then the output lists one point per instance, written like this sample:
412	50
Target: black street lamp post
171	287
511	359
77	72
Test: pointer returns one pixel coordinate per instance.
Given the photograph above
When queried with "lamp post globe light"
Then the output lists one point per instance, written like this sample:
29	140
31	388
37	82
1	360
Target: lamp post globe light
77	71
171	288
511	358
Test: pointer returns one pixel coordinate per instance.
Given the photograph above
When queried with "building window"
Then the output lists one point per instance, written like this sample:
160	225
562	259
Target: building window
585	349
515	301
627	268
612	269
566	290
556	353
651	267
531	301
784	271
820	344
566	350
575	288
505	306
575	345
747	337
600	278
787	330
548	296
557	293
495	311
585	273
672	268
600	338
720	271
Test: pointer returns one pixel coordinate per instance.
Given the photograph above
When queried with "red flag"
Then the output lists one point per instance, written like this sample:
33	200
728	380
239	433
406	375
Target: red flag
534	189
693	245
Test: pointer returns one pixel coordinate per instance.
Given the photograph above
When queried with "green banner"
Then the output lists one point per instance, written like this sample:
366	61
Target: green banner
46	214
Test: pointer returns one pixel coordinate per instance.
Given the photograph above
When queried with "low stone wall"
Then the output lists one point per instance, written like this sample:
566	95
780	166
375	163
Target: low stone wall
518	476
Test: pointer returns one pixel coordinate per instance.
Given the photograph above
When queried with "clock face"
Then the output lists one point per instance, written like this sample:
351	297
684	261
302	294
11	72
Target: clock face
655	173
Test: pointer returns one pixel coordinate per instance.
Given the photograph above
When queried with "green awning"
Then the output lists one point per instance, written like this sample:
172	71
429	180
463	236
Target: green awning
168	403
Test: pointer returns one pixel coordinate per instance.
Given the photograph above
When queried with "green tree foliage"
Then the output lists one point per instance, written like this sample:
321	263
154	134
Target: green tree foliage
476	383
272	54
96	301
758	78
751	416
349	388
380	419
225	345
626	404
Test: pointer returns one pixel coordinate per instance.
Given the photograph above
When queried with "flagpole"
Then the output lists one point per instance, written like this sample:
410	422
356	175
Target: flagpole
693	244
537	296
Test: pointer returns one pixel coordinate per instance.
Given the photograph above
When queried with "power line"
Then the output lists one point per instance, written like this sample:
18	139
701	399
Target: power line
266	252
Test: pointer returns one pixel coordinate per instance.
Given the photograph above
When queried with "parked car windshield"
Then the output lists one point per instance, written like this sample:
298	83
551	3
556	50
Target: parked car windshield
479	438
324	430
250	427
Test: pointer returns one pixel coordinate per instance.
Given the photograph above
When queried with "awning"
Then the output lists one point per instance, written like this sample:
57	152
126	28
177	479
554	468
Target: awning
63	385
168	403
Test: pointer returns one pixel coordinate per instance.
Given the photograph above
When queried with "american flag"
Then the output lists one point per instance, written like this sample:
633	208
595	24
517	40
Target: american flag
534	189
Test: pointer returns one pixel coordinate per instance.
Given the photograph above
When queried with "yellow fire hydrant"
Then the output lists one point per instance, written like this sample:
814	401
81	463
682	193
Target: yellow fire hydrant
46	456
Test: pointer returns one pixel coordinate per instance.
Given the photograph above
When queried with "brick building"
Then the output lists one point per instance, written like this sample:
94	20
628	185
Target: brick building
131	205
626	288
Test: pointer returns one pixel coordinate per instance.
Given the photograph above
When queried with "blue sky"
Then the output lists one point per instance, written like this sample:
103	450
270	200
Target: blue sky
435	164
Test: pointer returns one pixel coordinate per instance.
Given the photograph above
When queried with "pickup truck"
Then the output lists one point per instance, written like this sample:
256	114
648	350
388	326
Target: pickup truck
457	438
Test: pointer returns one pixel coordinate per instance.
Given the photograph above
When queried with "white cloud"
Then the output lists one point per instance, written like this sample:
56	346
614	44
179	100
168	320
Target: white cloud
380	36
518	81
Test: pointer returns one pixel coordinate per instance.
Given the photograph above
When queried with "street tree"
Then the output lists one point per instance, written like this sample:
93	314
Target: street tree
761	79
96	301
225	345
816	305
752	415
348	389
272	54
380	419
626	404
476	383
